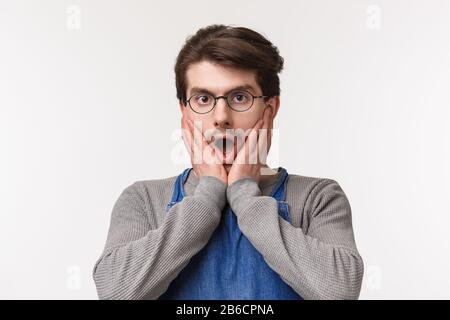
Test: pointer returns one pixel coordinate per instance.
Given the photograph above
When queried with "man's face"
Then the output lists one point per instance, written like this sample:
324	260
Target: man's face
219	80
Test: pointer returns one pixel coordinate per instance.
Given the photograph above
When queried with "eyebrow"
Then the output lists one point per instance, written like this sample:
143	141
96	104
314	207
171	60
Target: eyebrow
204	90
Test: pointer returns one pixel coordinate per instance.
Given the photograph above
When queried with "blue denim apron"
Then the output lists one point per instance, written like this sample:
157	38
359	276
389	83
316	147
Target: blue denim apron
229	266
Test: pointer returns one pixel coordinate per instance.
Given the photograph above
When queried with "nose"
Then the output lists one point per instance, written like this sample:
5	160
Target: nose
222	114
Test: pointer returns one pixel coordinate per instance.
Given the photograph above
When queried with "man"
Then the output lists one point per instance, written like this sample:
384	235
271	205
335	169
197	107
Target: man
229	227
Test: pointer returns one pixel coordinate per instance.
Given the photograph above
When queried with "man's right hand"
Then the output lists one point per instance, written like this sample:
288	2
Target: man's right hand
209	164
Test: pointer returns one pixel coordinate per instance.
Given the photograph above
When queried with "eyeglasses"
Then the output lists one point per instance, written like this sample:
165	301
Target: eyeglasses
238	100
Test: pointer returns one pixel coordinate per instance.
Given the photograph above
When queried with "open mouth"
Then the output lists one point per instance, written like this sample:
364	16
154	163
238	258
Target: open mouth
224	144
225	148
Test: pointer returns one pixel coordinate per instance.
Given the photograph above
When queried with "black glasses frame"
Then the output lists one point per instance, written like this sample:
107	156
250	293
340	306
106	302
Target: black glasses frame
188	101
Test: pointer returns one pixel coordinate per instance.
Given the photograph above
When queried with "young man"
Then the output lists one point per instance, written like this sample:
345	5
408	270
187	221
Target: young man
228	227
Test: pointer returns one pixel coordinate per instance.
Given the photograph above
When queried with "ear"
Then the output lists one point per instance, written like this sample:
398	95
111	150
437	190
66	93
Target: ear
274	103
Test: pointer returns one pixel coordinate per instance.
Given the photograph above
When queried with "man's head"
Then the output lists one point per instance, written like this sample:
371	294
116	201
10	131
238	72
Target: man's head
216	60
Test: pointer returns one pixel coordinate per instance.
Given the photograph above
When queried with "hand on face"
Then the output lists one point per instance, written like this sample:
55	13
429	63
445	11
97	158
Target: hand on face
249	160
203	158
252	156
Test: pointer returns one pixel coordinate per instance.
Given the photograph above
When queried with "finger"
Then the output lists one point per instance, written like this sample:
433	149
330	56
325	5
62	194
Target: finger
197	128
199	142
253	147
242	155
259	144
184	124
255	130
268	121
205	147
197	131
263	138
194	143
259	126
270	131
183	128
208	152
187	137
189	126
266	117
270	117
251	142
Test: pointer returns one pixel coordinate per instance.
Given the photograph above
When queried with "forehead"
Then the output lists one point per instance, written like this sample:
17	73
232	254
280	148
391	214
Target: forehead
219	79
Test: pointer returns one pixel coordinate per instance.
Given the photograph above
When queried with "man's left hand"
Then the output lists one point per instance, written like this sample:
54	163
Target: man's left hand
252	156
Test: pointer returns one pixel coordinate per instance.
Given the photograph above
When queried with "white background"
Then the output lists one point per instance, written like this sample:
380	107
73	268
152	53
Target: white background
88	106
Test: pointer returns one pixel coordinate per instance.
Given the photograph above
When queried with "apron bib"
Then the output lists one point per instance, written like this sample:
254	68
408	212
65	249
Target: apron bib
229	267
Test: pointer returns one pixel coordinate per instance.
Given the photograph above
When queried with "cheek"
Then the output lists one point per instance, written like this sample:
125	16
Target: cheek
249	120
198	120
205	123
192	115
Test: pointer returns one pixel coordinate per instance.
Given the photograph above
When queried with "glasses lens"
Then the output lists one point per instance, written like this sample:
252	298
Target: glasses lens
240	100
202	102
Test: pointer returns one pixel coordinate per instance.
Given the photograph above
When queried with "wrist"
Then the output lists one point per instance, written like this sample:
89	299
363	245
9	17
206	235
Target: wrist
212	191
241	192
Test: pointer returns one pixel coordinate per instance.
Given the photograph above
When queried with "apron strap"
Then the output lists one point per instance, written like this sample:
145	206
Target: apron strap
178	190
279	190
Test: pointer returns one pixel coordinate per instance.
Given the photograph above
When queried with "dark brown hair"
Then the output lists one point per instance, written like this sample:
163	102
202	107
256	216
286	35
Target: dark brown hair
236	47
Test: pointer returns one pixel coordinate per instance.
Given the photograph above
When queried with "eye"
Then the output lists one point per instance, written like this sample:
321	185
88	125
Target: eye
240	97
203	99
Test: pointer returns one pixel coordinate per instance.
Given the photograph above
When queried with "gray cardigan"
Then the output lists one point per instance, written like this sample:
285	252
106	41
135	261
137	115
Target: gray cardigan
146	248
